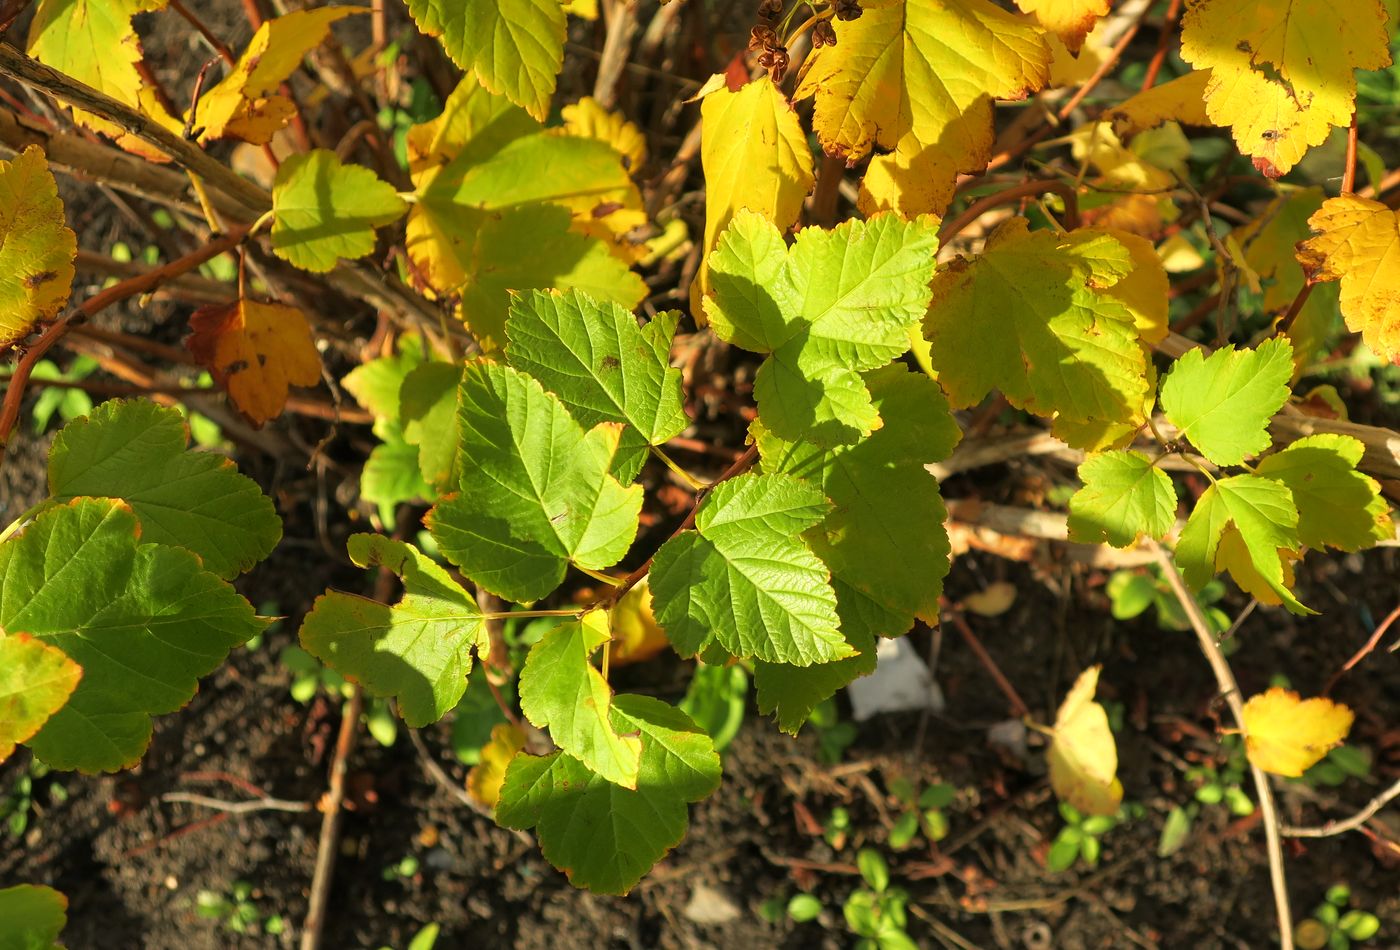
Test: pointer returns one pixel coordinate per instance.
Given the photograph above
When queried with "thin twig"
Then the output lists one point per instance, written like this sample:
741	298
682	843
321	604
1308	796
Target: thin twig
1229	689
1163	41
328	844
1026	189
216	44
458	793
1346	824
1361	654
1019	709
237	808
1349	171
131	287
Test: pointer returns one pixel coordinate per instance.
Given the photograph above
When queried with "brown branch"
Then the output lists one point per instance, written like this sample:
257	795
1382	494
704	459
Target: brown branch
1365	650
1346	824
131	287
1349	171
1019	709
1025	189
1229	689
216	44
9	12
328	843
1163	41
51	82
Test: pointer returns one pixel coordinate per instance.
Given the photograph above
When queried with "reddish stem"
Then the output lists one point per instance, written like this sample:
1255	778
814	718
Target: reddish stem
1349	172
1163	39
1025	189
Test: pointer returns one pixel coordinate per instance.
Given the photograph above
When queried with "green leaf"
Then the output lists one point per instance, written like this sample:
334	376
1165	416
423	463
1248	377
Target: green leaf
745	581
602	365
418	651
31	917
324	211
838	303
603	836
504	206
1124	497
515	47
560	690
884	534
1338	506
535	493
428	412
144	622
35	681
1036	316
883	540
135	450
391	476
1263	512
376	384
1223	402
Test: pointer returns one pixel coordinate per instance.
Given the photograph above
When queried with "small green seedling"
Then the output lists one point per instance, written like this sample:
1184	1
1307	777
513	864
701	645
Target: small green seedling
18	803
1224	785
401	870
1333	925
922	812
1342	763
802	908
876	913
237	912
424	939
1130	593
834	734
1079	838
837	826
309	676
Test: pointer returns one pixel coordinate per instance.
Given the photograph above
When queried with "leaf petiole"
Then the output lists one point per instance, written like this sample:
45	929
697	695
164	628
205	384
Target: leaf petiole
694	483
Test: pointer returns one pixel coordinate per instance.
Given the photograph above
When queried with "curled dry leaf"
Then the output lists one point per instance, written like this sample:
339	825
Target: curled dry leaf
1286	735
636	634
484	780
1083	757
256	352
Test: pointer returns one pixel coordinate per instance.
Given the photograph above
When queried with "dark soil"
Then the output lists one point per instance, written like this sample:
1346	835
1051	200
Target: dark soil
133	864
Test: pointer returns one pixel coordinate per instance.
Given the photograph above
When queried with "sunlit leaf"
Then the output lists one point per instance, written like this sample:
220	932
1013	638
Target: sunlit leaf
418	651
1358	243
560	690
1282	73
1338	506
1083	756
325	211
1124	497
36	247
484	780
1286	735
256	352
36	679
1070	20
1223	402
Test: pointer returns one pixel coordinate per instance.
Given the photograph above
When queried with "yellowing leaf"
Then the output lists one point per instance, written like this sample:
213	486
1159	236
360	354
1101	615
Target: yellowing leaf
256	352
1358	243
515	47
918	77
506	206
246	104
36	679
755	156
1283	72
1286	735
636	636
1070	20
94	42
484	780
588	118
1083	757
1036	317
1181	99
36	248
1234	557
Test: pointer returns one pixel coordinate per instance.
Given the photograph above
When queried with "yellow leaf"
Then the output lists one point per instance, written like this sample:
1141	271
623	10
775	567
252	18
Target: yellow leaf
246	104
1232	555
256	352
588	118
36	247
755	155
1358	243
1181	99
484	780
583	9
918	77
1070	20
1286	736
636	634
993	600
1283	72
1083	757
94	42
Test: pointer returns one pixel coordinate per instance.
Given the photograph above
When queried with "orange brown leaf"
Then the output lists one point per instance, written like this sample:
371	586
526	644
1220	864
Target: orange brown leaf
256	352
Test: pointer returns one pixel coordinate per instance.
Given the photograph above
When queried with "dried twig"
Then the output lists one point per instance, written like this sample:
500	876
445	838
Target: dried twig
1342	825
1365	650
237	808
1229	689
